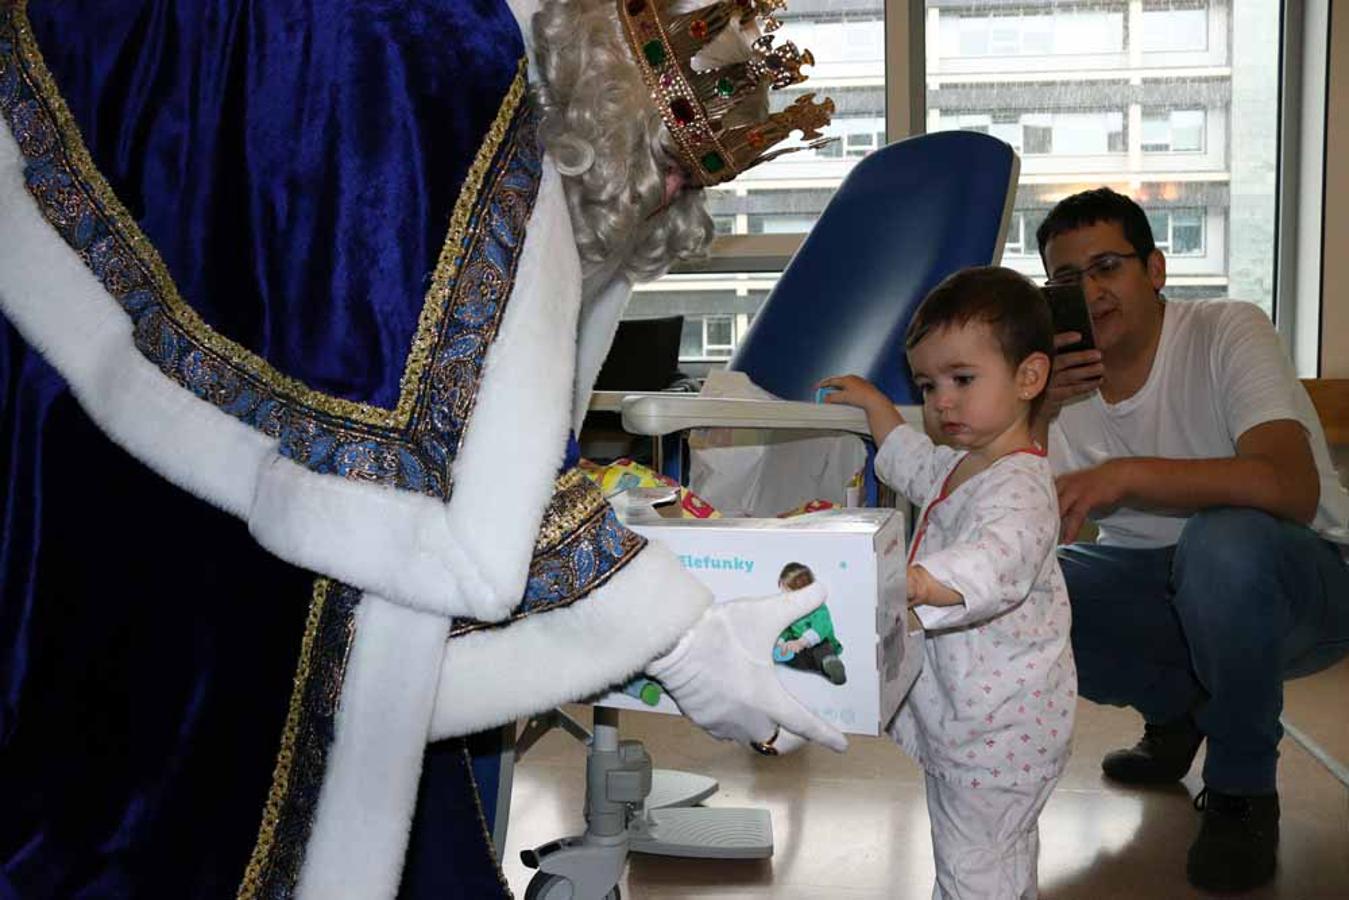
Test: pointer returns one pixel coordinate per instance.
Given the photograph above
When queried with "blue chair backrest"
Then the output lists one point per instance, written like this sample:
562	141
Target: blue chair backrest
906	216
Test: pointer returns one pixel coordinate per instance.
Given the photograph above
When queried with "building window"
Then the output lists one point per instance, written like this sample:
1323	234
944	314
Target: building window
856	136
1016	236
1088	133
1173	131
1178	232
1175	28
723	224
781	223
718	335
1062	133
1032	30
858	145
707	337
853	40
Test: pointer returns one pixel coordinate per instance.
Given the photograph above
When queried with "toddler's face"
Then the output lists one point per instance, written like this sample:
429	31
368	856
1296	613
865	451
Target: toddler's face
970	391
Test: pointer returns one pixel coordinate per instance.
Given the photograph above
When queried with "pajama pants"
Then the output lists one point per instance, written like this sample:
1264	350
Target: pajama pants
986	840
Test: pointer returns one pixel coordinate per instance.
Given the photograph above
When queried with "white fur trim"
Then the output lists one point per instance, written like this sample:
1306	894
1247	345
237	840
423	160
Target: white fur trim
492	677
515	441
403	546
364	814
599	323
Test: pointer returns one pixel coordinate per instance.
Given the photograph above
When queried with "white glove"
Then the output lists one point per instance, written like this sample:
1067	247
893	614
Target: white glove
722	676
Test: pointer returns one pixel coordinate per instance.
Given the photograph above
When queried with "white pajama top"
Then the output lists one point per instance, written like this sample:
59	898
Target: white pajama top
995	701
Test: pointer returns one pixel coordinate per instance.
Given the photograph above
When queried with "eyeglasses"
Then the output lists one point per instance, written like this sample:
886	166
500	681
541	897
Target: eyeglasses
1102	267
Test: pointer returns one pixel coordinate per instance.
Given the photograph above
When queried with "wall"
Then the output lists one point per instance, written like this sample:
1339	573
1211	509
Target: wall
1335	296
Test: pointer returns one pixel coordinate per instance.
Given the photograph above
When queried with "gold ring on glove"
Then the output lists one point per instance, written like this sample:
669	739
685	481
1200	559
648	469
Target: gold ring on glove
766	748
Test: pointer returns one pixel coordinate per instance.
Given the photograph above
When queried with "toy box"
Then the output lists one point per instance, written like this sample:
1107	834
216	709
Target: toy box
867	649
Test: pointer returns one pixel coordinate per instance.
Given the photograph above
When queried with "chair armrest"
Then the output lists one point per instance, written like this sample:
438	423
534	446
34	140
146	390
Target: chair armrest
612	401
661	415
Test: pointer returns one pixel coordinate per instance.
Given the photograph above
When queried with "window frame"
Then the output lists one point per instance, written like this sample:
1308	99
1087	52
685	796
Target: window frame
721	318
1299	259
1166	243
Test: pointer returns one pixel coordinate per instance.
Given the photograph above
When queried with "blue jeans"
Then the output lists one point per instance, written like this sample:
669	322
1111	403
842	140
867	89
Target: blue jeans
1212	627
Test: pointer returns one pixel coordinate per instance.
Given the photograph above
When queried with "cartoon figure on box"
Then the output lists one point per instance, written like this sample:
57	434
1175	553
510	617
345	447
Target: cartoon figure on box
809	643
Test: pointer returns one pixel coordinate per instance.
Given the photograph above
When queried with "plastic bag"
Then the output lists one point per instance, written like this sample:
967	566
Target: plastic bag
765	472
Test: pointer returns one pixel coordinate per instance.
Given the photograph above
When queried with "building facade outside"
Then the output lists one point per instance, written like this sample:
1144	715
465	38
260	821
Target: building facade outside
1175	103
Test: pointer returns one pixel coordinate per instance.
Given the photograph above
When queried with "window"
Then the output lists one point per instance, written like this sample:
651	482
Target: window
781	223
859	144
1175	29
1016	236
707	337
1088	133
723	224
718	335
860	38
857	136
1138	95
1173	130
977	122
1030	29
1176	102
1063	133
1037	134
1178	232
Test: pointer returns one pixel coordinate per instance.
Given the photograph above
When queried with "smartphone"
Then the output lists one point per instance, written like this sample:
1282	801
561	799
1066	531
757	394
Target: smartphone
1068	309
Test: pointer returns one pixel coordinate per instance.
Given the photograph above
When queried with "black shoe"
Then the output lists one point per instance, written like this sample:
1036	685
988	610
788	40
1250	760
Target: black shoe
1162	755
1235	850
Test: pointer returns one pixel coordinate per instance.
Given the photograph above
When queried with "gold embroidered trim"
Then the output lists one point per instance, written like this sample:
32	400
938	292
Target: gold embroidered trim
482	816
276	797
576	499
127	231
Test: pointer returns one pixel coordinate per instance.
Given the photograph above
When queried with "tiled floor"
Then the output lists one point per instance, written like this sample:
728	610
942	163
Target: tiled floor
855	826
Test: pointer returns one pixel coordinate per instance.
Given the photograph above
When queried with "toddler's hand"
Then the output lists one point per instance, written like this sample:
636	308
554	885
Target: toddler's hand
882	417
853	390
924	590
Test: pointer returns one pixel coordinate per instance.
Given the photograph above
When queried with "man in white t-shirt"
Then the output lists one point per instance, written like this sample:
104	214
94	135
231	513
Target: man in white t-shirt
1219	568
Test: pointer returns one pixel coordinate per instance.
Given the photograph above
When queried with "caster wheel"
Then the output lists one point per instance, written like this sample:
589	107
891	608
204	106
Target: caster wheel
544	886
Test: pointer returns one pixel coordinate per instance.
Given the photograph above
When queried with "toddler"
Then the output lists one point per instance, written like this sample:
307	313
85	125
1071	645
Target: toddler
809	643
991	715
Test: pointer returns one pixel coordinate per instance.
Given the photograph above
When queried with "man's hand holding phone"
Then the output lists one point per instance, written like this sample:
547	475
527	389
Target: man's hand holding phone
1077	367
1075	373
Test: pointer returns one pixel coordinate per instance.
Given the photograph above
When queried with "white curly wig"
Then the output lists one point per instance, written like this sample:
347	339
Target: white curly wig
610	144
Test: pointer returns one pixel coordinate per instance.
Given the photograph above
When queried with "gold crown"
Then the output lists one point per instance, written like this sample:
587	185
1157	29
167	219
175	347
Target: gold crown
694	104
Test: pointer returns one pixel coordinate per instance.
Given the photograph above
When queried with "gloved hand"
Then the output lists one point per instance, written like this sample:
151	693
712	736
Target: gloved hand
722	676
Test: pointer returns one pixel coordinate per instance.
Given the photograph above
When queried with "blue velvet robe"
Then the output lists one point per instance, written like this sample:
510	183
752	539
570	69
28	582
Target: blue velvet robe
295	166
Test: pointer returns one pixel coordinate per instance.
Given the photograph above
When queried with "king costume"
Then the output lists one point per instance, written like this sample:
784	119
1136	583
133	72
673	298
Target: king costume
286	287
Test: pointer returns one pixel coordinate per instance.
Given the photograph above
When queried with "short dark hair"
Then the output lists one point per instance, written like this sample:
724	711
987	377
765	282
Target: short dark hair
796	575
1004	299
1098	205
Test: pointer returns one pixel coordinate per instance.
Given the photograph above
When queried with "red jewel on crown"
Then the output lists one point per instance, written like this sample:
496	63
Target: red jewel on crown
698	28
682	110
